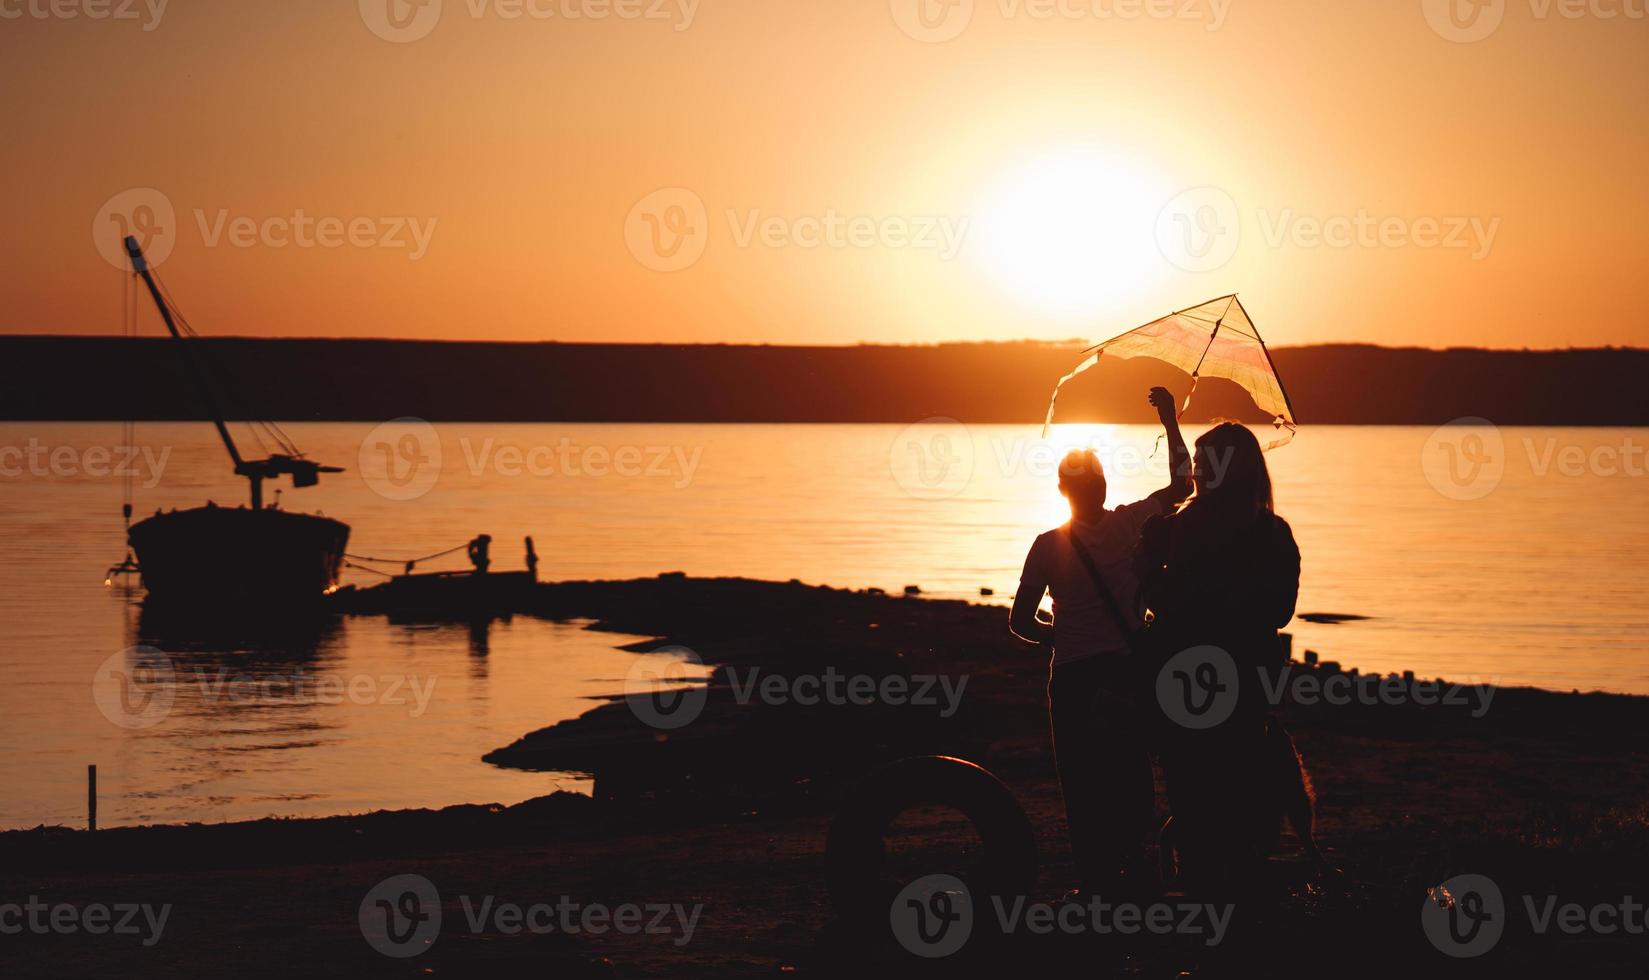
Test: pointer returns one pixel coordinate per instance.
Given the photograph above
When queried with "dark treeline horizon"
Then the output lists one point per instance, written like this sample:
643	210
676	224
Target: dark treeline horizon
93	378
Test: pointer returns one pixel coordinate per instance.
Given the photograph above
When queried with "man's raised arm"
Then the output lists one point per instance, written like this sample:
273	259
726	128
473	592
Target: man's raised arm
1179	456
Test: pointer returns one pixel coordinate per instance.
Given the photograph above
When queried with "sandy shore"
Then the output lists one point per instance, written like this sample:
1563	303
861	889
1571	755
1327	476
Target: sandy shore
1542	792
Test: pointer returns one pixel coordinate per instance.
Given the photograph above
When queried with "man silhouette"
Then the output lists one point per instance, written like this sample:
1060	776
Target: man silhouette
479	553
1099	748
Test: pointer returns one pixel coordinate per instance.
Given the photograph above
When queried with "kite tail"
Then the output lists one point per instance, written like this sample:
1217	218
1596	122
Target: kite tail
1289	430
1185	405
1085	365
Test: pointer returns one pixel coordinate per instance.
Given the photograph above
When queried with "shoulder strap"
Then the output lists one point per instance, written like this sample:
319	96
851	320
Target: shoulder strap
1100	586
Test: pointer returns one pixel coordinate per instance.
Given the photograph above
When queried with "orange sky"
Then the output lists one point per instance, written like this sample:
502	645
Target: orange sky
860	178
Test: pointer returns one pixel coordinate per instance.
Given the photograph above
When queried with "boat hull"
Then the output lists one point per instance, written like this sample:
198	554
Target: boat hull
215	557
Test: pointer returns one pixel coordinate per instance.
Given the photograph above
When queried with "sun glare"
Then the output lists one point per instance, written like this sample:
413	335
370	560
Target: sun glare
1072	233
1101	438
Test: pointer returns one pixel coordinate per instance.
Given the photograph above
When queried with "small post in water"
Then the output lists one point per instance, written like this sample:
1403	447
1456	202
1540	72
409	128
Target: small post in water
91	797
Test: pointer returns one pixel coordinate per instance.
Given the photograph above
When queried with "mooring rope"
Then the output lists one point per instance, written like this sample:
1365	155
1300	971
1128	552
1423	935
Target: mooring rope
406	561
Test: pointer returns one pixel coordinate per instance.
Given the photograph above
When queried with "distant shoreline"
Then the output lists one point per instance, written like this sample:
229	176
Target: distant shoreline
94	378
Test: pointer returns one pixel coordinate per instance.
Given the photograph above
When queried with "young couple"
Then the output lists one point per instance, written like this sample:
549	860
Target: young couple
1214	566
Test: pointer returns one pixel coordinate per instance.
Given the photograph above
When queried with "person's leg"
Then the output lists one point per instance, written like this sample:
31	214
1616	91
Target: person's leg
1122	768
1071	691
1294	789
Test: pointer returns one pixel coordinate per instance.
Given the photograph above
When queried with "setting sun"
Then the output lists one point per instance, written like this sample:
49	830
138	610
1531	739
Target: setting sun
1063	232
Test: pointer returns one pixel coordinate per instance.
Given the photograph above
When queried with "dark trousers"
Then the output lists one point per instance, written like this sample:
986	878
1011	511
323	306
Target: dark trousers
1100	749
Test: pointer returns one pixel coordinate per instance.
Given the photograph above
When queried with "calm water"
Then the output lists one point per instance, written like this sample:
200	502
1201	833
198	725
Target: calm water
1532	575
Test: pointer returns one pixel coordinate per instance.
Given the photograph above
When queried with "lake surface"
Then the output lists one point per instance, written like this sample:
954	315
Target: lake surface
1516	555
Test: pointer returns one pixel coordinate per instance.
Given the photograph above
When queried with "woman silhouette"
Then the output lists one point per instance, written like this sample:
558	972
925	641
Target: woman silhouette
1221	577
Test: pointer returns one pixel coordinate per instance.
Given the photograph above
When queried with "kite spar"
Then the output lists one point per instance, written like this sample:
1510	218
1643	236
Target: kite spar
1215	339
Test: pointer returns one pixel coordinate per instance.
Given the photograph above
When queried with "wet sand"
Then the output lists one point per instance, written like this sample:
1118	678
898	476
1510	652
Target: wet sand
1543	792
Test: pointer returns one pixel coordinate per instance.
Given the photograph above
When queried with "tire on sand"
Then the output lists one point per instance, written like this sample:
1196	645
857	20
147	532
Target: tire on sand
856	851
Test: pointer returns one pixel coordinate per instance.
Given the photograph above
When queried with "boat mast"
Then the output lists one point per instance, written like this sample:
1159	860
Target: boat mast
303	472
196	375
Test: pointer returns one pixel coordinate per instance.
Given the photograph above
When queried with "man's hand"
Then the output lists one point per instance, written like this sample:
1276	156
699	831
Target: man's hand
1179	456
1025	619
1163	400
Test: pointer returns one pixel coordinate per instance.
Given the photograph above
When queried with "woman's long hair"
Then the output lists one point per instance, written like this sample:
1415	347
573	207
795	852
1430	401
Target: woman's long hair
1233	484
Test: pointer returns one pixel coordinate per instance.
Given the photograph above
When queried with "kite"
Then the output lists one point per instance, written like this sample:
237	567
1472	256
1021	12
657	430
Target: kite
1213	340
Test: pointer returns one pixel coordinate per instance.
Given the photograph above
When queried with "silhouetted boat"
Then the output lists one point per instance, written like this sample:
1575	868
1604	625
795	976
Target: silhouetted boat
232	558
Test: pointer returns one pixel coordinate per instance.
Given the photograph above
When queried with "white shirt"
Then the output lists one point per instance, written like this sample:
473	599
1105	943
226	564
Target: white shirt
1084	624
